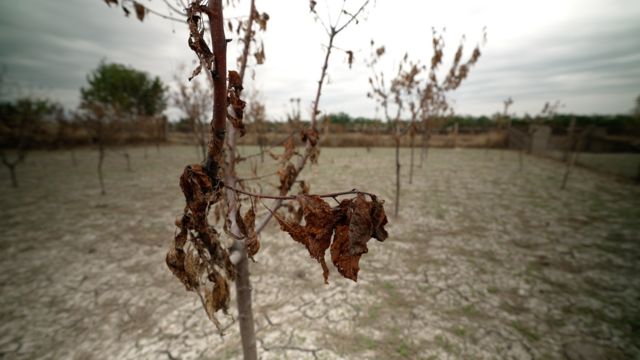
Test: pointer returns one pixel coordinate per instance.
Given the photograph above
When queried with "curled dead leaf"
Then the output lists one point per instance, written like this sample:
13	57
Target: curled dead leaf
140	10
251	237
315	235
359	220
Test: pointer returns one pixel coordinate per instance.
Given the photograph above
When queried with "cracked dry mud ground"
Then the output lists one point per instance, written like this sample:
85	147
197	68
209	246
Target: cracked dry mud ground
484	262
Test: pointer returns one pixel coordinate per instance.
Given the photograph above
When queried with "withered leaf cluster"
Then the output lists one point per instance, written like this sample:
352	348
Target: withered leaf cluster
233	100
345	229
287	171
197	257
139	9
349	58
260	55
262	20
196	39
458	72
312	137
247	226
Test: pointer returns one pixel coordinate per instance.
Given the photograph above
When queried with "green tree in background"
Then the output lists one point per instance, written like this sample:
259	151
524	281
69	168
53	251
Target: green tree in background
121	105
126	90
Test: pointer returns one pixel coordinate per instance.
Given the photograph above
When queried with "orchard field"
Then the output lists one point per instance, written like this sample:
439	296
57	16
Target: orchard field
484	261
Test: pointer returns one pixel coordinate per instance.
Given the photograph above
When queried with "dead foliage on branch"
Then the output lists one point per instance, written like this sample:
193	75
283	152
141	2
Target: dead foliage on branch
198	258
351	224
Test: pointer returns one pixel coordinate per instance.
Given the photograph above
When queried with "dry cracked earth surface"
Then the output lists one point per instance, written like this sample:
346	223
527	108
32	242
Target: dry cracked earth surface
485	261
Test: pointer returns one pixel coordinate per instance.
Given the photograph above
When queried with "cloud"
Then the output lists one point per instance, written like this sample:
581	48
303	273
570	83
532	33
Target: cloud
584	53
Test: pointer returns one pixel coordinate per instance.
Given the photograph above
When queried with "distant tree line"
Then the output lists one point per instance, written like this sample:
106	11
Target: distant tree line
628	124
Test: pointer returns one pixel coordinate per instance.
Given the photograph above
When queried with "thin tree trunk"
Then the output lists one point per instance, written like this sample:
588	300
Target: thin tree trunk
520	160
574	157
100	161
397	202
262	150
303	159
455	135
245	311
567	172
14	178
412	141
423	150
243	282
12	165
128	158
425	142
570	140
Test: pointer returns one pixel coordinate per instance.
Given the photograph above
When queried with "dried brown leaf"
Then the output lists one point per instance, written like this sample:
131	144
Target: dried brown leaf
287	174
252	242
350	58
358	221
197	188
262	20
194	267
316	234
260	55
195	72
140	10
235	82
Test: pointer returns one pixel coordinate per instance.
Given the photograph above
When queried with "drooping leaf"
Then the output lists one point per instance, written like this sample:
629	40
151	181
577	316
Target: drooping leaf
195	72
235	82
140	10
216	298
315	235
359	220
197	188
260	55
287	174
194	267
262	20
350	58
252	242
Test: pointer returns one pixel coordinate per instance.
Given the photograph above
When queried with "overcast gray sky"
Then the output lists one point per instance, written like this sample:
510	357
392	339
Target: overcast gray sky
585	53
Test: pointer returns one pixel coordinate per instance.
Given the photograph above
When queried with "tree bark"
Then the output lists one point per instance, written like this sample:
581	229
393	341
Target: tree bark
397	202
243	282
127	157
100	161
14	178
567	172
570	140
574	156
245	311
412	140
425	141
520	160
